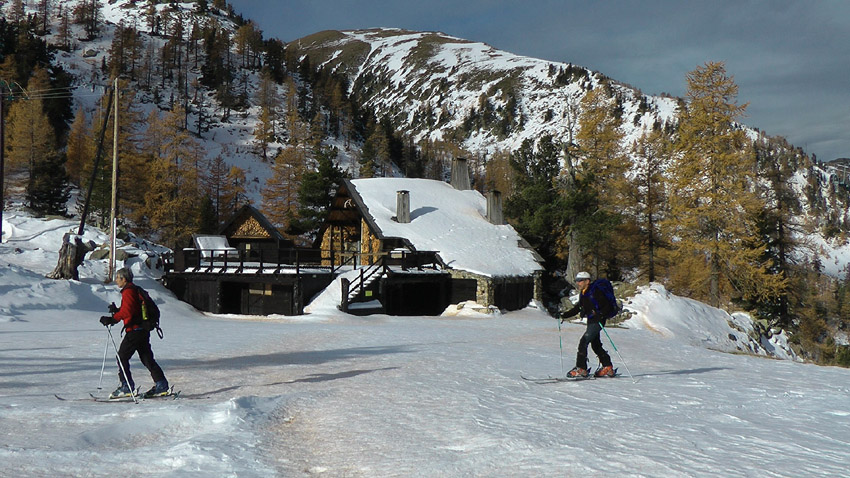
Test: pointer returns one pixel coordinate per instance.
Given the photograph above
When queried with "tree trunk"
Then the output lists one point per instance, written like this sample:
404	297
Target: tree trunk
71	255
574	259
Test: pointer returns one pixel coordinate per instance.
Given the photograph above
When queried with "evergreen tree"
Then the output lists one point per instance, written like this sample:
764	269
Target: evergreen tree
315	194
598	196
17	13
777	223
207	218
535	208
375	155
48	191
712	202
649	194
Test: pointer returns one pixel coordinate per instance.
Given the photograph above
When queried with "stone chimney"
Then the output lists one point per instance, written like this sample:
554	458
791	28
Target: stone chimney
494	208
460	174
402	207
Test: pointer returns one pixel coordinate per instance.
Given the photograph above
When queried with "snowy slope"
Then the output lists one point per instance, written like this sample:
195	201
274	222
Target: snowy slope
334	395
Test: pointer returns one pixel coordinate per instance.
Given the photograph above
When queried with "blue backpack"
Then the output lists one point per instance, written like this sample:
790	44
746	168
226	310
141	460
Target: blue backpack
607	289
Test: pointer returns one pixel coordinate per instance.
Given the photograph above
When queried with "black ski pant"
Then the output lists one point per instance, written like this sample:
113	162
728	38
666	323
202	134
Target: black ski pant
137	341
591	337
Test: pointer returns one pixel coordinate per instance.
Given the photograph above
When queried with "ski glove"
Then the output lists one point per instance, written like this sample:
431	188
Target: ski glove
113	308
107	320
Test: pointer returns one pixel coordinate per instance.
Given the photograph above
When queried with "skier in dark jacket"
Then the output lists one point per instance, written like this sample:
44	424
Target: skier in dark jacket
595	321
136	339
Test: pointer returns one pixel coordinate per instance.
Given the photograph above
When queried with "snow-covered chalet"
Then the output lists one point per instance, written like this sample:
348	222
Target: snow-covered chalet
419	245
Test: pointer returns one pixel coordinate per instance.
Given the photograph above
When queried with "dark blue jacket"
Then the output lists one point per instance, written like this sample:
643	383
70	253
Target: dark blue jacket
588	309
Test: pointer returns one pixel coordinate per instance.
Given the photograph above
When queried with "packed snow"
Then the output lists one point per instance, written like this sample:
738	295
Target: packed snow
328	394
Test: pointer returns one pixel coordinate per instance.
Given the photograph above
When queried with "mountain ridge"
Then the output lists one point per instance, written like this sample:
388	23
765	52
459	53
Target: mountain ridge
465	77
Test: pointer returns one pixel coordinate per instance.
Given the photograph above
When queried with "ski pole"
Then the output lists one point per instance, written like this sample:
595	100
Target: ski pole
561	346
121	365
618	352
103	365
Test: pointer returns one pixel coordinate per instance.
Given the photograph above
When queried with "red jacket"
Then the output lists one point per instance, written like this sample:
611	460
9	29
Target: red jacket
131	307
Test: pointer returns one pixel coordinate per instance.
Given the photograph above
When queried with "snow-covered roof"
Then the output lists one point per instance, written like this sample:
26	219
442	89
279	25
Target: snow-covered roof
448	221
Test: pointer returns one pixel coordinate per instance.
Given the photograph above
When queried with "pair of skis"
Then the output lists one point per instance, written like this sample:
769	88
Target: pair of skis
551	379
171	395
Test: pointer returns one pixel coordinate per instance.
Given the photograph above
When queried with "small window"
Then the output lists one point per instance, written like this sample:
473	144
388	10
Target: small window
260	289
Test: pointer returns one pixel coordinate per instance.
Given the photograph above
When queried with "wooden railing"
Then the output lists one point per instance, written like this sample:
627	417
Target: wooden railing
259	260
208	260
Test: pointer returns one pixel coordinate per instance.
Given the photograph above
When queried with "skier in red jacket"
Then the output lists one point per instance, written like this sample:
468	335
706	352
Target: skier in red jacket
136	339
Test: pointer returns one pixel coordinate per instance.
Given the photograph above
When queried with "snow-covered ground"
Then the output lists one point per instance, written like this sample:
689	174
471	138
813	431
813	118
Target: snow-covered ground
328	394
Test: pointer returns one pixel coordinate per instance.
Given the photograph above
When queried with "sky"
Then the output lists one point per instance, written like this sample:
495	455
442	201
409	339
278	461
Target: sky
789	59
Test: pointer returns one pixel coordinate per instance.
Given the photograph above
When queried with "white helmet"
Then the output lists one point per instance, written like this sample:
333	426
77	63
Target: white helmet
582	275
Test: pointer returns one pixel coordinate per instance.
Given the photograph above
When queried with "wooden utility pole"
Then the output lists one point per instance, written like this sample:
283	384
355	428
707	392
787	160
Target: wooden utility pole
2	163
112	216
96	163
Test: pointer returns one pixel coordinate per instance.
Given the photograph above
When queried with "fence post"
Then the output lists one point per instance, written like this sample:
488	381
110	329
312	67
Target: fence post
344	286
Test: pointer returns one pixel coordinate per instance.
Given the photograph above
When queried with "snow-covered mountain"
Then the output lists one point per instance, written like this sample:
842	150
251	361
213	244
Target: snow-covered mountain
433	85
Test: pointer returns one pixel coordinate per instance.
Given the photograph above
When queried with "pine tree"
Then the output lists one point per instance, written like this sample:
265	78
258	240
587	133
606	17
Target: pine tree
133	167
315	193
48	191
299	133
777	223
375	155
598	196
649	194
535	208
249	42
712	202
